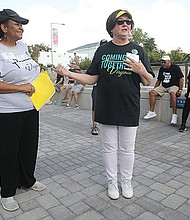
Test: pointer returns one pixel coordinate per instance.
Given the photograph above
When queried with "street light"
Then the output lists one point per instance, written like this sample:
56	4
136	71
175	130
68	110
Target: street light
52	23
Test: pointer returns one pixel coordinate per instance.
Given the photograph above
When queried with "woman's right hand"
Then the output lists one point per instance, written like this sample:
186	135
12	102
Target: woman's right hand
61	70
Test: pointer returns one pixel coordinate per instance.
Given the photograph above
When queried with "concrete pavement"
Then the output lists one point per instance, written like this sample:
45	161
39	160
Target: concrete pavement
70	164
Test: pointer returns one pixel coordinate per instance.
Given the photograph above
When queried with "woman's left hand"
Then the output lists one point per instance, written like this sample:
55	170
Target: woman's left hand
138	68
134	66
28	88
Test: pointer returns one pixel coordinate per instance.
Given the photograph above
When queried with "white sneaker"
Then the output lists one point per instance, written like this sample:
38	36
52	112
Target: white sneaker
113	191
76	106
174	119
49	102
67	106
38	186
127	189
9	204
150	115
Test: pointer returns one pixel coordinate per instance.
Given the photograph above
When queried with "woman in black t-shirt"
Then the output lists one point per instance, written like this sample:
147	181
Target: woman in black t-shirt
118	68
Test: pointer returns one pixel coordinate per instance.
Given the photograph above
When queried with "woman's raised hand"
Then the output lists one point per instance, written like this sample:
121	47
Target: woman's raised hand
61	70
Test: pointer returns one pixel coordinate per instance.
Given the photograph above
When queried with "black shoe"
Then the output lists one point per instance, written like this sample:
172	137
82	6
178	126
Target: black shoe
183	128
94	130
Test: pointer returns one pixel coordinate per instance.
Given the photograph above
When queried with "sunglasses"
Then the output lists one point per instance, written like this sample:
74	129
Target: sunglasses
163	61
121	21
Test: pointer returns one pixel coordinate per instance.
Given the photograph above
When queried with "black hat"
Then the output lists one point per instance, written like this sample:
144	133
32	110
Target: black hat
103	41
7	14
111	21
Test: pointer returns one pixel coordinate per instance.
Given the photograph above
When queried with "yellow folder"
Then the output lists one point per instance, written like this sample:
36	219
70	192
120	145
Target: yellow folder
44	89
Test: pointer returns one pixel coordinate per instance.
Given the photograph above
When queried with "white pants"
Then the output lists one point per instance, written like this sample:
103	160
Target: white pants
118	141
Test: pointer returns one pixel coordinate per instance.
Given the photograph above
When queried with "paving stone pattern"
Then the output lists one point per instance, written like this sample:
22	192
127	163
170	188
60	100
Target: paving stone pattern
70	164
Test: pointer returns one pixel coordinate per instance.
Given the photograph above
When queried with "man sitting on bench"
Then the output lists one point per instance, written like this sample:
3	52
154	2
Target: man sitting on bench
170	79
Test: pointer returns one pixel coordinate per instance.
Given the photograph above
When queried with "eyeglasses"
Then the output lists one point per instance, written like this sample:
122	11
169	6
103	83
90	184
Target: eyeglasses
121	21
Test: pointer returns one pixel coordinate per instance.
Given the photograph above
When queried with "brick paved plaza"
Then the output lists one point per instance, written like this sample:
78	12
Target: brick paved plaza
70	164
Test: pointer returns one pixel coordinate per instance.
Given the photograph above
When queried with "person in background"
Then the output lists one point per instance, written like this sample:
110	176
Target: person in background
170	79
42	70
65	89
186	108
19	127
58	84
94	128
77	88
118	67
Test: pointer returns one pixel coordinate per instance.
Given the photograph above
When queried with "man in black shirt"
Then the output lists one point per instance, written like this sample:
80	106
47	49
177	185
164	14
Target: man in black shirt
170	79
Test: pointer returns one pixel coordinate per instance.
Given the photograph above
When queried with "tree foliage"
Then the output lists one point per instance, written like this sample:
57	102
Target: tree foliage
85	63
82	63
151	48
75	60
149	45
178	55
137	36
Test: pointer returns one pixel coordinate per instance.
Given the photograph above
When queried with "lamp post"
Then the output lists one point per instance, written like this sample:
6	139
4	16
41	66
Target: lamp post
52	23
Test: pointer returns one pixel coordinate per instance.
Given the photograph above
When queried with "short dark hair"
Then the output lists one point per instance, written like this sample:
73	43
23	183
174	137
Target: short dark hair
111	20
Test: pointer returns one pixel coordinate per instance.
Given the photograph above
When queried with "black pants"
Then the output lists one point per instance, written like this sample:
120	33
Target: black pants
18	150
94	94
186	110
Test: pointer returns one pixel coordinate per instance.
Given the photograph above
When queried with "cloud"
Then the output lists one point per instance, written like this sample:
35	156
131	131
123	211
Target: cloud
84	24
40	17
165	21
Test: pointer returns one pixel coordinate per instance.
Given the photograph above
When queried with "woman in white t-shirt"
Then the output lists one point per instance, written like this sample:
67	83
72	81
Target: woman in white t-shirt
19	119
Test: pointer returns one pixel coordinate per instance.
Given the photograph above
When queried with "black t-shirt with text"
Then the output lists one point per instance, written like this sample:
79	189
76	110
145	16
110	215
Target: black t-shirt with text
118	90
171	76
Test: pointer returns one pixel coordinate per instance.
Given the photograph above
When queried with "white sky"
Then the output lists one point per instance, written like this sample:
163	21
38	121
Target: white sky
167	21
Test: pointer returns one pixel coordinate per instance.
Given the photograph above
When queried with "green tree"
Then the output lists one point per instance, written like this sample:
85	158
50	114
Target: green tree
148	43
150	47
85	63
154	56
178	55
138	36
82	63
142	38
75	60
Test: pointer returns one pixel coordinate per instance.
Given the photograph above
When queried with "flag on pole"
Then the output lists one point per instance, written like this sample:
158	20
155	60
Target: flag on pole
54	36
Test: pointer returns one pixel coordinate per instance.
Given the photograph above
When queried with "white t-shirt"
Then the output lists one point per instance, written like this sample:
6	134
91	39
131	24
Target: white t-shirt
16	67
